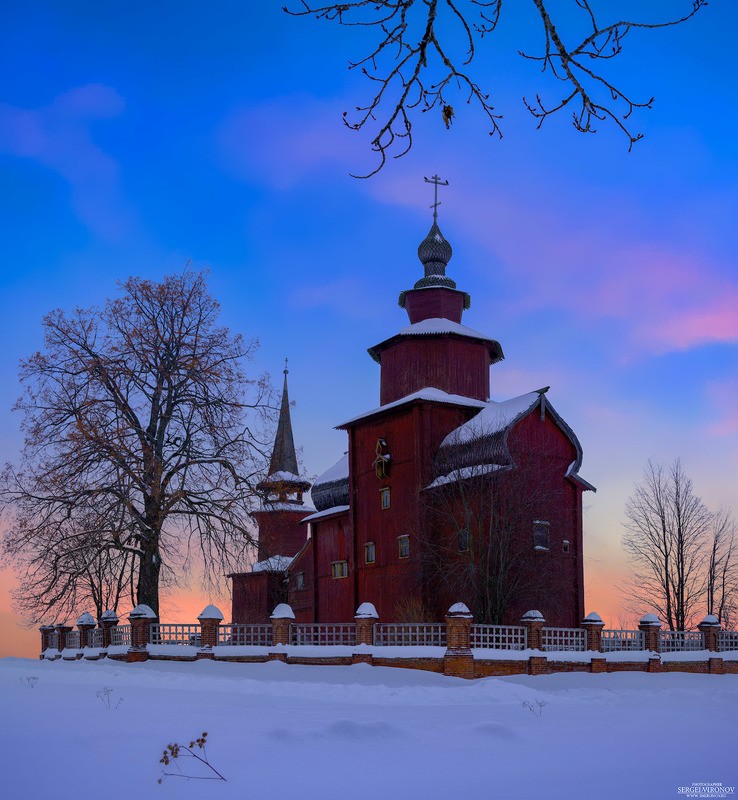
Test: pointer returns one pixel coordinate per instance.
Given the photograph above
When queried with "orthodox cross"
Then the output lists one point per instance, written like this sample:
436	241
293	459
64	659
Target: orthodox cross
436	181
285	370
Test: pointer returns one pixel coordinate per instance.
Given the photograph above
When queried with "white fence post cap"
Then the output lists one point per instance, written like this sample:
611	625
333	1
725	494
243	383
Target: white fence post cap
593	618
650	619
458	610
142	611
86	619
211	612
109	616
366	611
533	616
711	619
283	611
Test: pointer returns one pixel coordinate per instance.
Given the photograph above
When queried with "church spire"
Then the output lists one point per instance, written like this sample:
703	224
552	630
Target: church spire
283	478
284	458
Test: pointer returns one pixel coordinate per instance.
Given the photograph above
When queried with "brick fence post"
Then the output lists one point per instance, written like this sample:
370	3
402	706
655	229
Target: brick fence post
366	616
141	619
108	621
85	624
63	630
45	631
281	618
209	619
650	624
593	625
458	659
710	629
533	621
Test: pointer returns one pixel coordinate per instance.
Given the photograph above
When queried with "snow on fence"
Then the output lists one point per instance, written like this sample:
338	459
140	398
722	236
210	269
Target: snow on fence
613	640
120	634
72	641
728	640
175	634
499	637
95	637
674	641
251	635
563	639
324	634
411	633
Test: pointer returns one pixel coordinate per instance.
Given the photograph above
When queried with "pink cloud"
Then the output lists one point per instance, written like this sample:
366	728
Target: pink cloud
667	298
58	136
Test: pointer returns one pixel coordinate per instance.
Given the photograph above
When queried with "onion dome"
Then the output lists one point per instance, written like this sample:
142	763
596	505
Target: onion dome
434	253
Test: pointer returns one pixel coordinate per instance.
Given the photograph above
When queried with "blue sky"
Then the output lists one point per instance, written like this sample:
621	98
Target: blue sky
135	138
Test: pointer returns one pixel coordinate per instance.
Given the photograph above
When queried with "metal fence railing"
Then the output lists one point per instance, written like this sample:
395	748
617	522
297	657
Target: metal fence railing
95	637
72	640
324	634
410	633
499	637
728	640
254	635
614	640
120	634
175	634
675	641
53	640
563	639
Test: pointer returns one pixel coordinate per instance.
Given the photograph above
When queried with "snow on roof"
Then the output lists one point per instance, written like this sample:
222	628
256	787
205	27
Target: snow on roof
109	615
273	564
463	473
429	394
211	612
280	505
283	611
710	619
86	619
494	417
328	512
337	472
285	477
593	616
650	619
439	325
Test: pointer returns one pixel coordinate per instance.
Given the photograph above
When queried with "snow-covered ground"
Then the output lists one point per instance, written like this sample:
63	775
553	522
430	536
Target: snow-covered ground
287	731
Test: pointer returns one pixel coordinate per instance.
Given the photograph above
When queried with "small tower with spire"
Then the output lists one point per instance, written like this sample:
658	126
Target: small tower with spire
282	506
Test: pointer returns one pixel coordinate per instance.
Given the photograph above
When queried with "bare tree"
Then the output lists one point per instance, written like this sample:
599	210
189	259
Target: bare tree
722	569
482	515
137	449
416	64
668	526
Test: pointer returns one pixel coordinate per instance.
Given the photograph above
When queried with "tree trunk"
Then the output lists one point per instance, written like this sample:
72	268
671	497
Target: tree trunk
148	580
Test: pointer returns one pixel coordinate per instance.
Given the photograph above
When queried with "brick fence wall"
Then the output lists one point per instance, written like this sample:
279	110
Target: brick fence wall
530	648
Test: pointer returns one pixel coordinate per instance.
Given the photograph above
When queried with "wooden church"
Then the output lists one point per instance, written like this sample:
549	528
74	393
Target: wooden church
443	495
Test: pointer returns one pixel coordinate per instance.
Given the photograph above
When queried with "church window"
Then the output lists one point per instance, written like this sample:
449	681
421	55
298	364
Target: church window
300	581
384	496
565	546
339	569
404	546
541	535
369	553
463	541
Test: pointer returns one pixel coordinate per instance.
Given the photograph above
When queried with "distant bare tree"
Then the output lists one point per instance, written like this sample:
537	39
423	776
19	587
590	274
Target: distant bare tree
416	62
722	569
668	527
140	446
